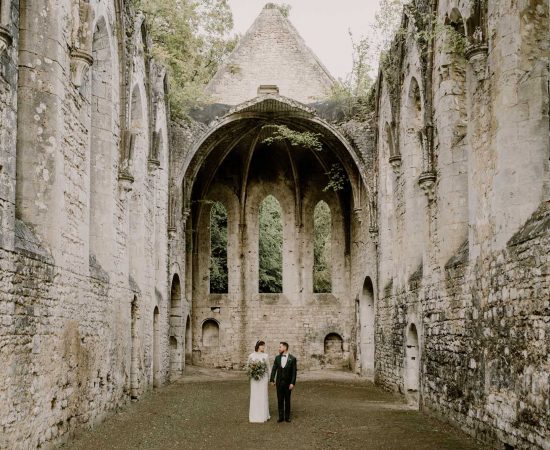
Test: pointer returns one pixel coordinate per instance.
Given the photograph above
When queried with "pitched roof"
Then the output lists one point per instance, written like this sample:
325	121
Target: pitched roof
271	53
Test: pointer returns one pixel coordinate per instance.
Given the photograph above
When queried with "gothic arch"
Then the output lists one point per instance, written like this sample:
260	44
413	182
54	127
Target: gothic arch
175	326
366	327
156	348
322	248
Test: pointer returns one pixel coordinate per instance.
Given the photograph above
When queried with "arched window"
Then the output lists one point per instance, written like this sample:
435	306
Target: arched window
271	246
322	257
218	249
101	143
210	333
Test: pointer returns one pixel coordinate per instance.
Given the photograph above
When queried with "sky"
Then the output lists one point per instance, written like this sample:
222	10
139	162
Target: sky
323	24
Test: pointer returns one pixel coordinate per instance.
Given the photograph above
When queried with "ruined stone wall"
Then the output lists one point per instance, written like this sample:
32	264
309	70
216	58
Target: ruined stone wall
75	162
271	53
297	315
464	330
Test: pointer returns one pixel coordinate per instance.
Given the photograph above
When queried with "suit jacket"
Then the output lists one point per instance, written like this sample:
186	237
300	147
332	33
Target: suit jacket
284	375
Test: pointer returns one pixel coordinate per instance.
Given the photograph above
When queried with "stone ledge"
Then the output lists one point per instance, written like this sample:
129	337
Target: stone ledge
28	244
537	225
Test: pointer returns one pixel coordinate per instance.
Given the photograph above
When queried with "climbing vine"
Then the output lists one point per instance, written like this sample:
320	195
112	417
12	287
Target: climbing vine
305	139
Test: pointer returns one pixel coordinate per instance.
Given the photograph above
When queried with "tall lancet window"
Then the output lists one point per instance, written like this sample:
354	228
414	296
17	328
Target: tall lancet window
219	281
322	234
271	247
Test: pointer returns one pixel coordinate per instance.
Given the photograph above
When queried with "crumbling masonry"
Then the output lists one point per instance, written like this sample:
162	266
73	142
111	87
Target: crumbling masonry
440	228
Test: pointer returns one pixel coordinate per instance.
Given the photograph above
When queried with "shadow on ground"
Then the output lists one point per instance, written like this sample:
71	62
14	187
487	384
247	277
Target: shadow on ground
208	409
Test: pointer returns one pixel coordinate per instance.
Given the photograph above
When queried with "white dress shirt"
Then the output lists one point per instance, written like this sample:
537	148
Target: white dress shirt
284	359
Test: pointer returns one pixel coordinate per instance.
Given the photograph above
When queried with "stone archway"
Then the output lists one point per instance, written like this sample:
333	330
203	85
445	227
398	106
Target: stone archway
411	377
175	328
239	162
366	324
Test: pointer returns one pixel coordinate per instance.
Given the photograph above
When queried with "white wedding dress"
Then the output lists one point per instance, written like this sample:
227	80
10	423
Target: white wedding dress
259	401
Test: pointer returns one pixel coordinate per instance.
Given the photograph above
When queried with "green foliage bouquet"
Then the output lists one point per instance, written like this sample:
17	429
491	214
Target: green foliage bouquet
255	369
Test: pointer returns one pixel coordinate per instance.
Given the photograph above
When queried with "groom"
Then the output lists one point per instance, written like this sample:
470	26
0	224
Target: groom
284	370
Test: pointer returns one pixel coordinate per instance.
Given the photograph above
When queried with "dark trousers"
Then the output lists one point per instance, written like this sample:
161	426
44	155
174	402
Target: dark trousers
283	401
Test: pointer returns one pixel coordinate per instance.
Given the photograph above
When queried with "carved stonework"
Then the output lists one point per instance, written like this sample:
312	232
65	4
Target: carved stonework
5	39
125	177
80	64
81	53
153	161
373	231
125	180
395	162
477	57
427	184
358	214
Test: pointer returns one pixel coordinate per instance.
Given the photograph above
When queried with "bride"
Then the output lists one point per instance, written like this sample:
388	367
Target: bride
259	402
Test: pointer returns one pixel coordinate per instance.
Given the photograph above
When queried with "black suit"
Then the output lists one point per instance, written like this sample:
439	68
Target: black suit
284	377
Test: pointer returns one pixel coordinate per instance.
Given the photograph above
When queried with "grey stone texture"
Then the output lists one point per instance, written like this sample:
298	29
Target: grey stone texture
440	233
269	54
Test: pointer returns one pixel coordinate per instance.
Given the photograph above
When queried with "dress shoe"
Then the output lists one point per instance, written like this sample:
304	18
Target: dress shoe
279	420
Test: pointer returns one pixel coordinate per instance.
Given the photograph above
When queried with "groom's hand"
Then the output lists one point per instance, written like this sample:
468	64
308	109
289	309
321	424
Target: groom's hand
291	386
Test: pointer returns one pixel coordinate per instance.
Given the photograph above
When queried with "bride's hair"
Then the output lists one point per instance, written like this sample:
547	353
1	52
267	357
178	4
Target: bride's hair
258	345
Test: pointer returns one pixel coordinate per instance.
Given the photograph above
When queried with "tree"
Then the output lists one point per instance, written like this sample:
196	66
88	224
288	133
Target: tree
192	38
218	249
271	246
322	254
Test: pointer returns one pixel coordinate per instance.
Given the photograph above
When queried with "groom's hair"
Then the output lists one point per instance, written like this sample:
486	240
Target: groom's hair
285	344
258	345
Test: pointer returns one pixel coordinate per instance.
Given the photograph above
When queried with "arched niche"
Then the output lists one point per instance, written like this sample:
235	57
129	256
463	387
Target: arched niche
211	334
366	326
175	326
322	248
188	342
219	275
270	246
333	349
156	348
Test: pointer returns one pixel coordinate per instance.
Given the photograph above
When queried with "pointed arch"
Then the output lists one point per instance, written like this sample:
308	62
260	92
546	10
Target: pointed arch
219	280
156	347
322	248
175	326
270	246
366	327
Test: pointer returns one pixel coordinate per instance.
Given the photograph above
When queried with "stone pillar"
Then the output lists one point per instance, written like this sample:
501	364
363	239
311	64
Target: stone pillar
40	161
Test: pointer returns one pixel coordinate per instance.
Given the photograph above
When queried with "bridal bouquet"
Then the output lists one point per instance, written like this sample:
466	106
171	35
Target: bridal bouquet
255	369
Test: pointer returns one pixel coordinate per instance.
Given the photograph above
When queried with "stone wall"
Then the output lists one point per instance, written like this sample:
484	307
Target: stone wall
84	212
462	329
271	53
